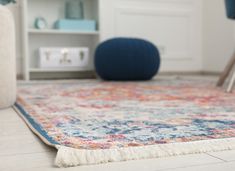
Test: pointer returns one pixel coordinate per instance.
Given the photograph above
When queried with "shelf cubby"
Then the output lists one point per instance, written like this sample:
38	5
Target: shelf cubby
52	10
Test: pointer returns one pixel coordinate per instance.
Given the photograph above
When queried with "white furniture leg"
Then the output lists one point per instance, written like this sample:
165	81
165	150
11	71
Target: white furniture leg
231	83
227	71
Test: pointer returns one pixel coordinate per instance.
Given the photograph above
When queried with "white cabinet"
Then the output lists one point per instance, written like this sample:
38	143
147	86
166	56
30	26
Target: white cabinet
34	39
173	25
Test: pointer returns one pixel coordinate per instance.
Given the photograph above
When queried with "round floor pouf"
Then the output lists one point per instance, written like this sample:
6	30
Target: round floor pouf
7	59
123	59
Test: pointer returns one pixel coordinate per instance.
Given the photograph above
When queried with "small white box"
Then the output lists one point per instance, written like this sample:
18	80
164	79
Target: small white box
63	57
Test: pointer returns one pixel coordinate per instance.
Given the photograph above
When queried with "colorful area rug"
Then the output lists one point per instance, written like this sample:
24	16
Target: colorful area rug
92	122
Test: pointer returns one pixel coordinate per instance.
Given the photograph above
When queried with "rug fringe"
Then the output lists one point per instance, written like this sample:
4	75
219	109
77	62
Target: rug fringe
68	157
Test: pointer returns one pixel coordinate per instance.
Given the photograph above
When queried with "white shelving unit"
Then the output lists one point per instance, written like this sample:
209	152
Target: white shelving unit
55	70
54	31
33	39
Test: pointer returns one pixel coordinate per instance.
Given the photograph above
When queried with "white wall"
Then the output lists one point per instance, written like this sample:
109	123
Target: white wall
175	26
218	36
217	43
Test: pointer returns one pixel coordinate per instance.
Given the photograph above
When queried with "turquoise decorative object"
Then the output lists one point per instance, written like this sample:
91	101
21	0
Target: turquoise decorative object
77	25
40	23
74	10
4	2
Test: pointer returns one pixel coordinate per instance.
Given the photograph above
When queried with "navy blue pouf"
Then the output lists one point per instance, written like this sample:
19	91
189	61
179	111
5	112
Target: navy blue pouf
123	59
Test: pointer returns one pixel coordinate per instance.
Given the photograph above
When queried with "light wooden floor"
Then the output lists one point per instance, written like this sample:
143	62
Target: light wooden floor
22	150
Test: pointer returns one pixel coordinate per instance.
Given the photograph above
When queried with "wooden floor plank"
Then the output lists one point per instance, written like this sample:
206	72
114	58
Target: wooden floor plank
14	128
26	162
142	165
21	144
8	115
11	124
225	155
226	166
16	137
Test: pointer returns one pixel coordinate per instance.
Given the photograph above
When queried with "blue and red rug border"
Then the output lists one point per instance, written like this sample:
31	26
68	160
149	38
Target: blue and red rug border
35	127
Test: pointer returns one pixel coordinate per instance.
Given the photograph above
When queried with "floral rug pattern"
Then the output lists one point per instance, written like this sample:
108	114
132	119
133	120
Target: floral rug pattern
103	115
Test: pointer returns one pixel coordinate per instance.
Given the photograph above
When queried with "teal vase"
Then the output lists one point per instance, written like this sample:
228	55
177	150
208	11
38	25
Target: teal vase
74	10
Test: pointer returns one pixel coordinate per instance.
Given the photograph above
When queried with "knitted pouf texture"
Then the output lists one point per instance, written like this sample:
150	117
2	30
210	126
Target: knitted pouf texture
7	59
127	59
